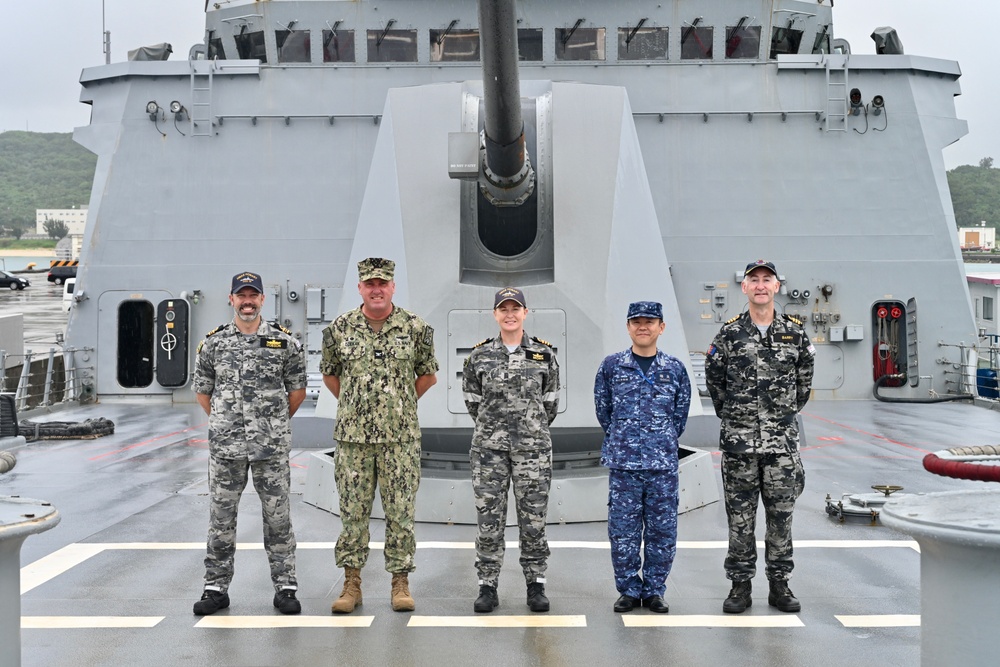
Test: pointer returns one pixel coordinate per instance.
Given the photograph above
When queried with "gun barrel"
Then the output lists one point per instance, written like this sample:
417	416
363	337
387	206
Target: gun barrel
504	127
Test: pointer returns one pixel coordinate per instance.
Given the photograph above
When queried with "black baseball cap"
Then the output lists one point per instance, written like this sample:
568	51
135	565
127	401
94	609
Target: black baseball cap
760	264
509	294
247	279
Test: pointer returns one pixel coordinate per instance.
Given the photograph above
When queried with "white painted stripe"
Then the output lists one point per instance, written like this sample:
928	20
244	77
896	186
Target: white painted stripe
261	622
45	568
709	621
498	621
88	622
880	621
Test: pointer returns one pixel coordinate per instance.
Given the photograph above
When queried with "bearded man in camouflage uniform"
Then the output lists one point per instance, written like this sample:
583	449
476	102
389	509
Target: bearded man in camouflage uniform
641	397
250	378
378	359
511	389
759	373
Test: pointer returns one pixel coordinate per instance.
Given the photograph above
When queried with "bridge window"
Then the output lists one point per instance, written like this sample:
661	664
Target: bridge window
392	46
822	41
696	43
642	43
215	49
293	46
785	40
580	43
338	46
988	308
742	42
456	46
250	45
529	44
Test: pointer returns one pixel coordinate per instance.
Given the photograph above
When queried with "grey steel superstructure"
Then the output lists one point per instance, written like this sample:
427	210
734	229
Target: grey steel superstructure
671	143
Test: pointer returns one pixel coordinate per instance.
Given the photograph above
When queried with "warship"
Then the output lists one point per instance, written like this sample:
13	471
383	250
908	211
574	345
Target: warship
590	153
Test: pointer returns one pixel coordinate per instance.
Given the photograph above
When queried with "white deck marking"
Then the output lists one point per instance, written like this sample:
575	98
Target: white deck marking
45	568
501	621
261	622
88	622
710	621
37	573
880	621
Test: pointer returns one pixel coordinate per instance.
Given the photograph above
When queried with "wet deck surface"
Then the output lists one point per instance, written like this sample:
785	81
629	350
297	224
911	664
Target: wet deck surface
128	556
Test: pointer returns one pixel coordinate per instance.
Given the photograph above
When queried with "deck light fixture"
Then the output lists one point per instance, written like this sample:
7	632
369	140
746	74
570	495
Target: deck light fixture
152	108
856	105
177	109
878	103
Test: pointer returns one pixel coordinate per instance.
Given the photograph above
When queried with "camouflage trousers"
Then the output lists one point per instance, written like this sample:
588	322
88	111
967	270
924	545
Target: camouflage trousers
226	480
395	468
778	479
493	470
642	510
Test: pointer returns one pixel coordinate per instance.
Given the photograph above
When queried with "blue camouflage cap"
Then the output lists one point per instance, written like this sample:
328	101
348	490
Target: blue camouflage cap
247	279
645	309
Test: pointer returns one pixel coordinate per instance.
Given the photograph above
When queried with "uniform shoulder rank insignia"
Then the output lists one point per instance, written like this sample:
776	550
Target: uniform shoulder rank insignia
543	342
733	319
285	330
215	330
793	320
481	343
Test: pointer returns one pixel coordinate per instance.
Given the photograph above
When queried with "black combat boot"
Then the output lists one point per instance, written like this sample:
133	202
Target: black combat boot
211	602
536	597
781	596
739	598
487	600
285	602
626	603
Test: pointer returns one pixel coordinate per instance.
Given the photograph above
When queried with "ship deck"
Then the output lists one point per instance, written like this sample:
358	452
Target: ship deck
114	582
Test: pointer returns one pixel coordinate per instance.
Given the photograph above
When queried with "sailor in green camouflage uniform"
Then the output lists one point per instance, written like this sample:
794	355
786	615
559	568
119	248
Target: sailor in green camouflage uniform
250	378
759	373
378	359
511	388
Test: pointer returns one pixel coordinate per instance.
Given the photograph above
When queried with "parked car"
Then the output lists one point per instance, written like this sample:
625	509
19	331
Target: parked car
10	281
68	290
59	274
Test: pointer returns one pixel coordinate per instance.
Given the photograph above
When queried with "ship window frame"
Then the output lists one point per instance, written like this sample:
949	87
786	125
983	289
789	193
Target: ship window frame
530	45
216	49
345	41
630	51
250	42
444	41
781	34
573	47
296	50
988	308
404	40
702	34
740	52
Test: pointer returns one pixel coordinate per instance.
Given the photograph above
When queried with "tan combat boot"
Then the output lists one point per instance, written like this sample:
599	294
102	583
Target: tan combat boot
350	597
401	600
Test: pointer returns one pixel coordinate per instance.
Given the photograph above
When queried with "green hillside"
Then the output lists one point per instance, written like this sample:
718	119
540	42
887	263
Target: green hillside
41	171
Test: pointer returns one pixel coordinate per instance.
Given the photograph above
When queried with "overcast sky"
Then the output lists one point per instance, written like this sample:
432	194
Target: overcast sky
47	43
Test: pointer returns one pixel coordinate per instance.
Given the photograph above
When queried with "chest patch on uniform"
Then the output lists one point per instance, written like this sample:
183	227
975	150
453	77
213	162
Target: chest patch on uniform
661	377
378	353
531	355
787	337
274	343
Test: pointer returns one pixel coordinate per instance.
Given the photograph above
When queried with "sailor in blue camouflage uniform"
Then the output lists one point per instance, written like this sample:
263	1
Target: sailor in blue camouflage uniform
250	378
642	396
511	388
759	373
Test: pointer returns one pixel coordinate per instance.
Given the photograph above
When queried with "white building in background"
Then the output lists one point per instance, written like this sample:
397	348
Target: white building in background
984	288
977	238
75	218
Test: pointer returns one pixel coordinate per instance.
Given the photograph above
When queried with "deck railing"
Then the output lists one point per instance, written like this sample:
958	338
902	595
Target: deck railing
44	379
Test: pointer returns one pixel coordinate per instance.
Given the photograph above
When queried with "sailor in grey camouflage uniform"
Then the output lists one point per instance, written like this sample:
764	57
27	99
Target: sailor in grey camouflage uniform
511	388
641	397
378	359
250	378
759	373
